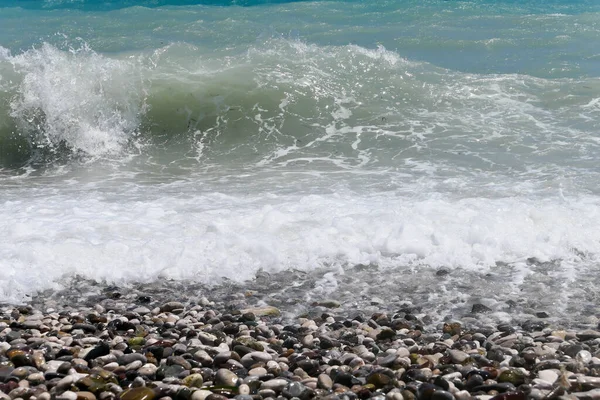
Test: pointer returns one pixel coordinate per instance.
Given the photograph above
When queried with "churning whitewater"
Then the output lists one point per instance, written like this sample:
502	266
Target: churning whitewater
359	144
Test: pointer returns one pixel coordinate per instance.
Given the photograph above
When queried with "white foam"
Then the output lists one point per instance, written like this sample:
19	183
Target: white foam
87	101
205	237
4	53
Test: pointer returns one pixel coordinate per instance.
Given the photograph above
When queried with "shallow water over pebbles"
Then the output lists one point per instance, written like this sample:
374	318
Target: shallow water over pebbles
432	295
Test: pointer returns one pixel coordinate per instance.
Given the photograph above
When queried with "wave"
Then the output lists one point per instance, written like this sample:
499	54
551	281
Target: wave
284	101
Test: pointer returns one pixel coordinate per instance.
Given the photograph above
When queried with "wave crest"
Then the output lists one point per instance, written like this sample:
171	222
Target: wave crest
75	99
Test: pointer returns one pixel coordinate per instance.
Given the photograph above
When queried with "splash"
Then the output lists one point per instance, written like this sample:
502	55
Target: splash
76	99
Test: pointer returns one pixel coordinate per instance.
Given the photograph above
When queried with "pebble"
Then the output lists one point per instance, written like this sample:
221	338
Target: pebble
275	385
225	377
171	350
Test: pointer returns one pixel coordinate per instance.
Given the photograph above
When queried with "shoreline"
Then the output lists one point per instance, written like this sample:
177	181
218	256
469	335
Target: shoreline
231	349
434	296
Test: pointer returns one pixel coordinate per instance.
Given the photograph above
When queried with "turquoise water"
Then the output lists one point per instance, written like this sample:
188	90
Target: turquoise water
206	140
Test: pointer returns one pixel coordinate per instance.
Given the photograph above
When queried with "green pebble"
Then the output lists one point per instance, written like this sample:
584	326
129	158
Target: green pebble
514	376
193	380
136	341
138	393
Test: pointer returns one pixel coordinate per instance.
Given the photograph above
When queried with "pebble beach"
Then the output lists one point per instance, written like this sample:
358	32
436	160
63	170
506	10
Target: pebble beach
294	200
131	344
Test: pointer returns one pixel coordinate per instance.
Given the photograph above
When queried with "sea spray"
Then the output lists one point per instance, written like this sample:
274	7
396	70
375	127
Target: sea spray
76	99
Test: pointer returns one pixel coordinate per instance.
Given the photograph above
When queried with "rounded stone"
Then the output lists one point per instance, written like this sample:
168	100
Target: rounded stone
147	369
324	381
442	395
36	378
379	380
294	389
138	393
20	372
167	371
458	356
258	371
548	375
225	377
193	380
277	384
244	389
514	376
68	395
133	366
584	356
200	394
136	341
172	306
85	396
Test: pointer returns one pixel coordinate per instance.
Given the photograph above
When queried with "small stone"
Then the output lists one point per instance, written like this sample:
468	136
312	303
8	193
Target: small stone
32	323
584	356
36	378
244	389
129	358
256	356
12	335
514	376
68	395
294	389
386	333
147	369
89	328
462	395
329	304
480	308
142	310
18	358
324	381
166	371
138	393
386	361
66	382
85	396
394	394
20	372
277	384
136	341
133	366
442	395
267	311
225	377
548	375
193	380
379	380
172	306
200	394
101	350
258	371
588	335
593	394
19	393
453	328
458	356
5	372
589	381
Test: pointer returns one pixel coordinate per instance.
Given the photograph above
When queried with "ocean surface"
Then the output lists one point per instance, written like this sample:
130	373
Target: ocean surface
426	152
